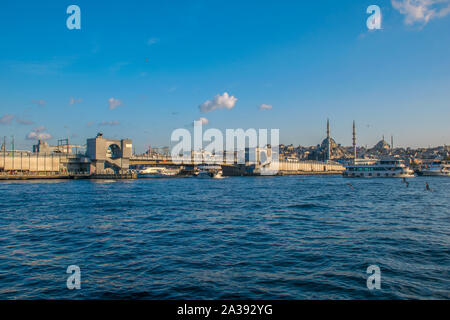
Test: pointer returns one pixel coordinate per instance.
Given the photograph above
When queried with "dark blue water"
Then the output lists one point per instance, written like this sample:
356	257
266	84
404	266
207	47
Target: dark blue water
258	238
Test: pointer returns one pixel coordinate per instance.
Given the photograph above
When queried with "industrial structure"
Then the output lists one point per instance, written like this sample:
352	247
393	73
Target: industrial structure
108	158
103	158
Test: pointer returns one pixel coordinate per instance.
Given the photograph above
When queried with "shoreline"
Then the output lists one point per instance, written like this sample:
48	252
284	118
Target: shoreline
129	176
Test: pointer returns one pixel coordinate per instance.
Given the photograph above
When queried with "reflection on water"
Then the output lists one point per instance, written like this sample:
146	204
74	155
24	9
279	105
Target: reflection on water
260	238
33	181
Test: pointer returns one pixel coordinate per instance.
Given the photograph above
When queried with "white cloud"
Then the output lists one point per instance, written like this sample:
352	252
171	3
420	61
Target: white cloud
6	119
114	103
109	123
73	100
40	102
38	134
203	120
152	41
51	67
421	11
224	101
24	121
265	107
40	129
118	66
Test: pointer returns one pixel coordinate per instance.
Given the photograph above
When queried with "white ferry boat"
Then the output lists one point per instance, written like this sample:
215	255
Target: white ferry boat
437	168
391	168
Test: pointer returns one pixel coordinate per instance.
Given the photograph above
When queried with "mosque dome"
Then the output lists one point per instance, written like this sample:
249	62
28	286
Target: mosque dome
381	146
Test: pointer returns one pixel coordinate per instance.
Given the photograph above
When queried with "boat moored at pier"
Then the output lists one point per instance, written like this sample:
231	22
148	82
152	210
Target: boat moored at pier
158	172
389	168
209	172
437	168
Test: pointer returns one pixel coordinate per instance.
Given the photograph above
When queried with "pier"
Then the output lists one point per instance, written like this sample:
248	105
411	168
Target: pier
310	167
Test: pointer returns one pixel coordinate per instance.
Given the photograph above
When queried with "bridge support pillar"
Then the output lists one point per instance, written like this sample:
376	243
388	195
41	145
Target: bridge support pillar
109	156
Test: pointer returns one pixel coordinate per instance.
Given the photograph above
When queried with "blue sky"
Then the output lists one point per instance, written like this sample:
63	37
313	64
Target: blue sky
140	69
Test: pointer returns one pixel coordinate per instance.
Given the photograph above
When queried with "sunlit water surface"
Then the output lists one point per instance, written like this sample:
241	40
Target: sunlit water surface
257	238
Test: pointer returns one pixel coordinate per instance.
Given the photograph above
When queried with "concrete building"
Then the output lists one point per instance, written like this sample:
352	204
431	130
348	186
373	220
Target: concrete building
42	147
62	147
109	156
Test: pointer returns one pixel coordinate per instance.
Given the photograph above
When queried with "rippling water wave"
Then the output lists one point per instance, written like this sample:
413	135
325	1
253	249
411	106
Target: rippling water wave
257	238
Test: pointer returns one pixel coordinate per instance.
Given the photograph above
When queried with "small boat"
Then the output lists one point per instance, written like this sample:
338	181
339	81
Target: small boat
209	172
437	168
217	174
389	168
158	172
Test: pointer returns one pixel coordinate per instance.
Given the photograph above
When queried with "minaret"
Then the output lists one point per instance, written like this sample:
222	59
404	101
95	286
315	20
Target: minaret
328	140
392	142
354	142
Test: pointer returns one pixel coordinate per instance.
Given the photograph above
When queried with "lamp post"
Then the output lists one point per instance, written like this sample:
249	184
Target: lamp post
4	153
12	142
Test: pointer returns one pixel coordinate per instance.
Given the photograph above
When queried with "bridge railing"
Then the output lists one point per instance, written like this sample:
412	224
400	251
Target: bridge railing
198	160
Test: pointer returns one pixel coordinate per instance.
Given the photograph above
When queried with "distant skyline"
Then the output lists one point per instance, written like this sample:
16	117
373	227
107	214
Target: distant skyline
140	69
